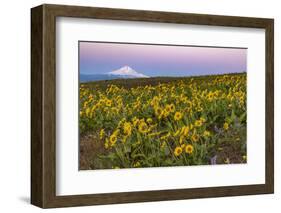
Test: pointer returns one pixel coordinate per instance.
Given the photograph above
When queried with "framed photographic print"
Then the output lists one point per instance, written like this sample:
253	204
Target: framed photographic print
136	106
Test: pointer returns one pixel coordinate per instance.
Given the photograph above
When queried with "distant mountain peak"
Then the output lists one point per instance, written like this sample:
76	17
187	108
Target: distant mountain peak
127	71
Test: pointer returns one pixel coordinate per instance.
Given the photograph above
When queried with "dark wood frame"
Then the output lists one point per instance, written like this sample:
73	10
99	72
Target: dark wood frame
43	105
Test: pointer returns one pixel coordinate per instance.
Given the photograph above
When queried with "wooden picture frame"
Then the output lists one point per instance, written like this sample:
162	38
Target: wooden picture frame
43	105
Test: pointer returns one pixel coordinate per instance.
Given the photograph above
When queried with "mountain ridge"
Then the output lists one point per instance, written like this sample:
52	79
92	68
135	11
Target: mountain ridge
127	71
124	72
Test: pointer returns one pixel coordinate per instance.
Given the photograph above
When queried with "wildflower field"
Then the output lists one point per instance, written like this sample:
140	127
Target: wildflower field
155	122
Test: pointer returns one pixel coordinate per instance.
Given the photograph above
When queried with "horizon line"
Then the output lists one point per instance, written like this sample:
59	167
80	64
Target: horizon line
175	75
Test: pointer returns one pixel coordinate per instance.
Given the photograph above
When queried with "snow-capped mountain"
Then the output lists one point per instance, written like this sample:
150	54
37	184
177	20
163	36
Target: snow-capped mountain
127	72
123	72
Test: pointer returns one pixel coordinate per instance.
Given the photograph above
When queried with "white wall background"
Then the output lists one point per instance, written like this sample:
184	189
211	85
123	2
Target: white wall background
15	105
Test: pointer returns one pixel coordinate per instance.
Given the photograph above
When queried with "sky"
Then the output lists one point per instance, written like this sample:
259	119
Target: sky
160	60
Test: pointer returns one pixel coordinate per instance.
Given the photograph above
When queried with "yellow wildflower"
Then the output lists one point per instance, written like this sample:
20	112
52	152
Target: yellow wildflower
135	121
198	123
163	145
149	120
178	116
184	130
189	149
116	132
226	126
158	112
143	128
177	151
203	119
106	145
166	113
195	137
127	128
181	139
113	139
172	107
168	108
206	133
191	126
88	110
102	133
164	137
177	133
108	103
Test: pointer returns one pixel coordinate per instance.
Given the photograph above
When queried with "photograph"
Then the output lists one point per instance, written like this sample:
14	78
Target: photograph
161	105
136	105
